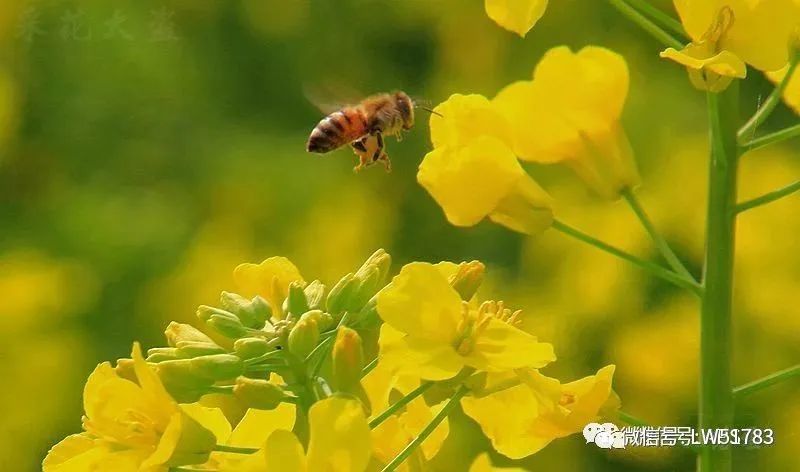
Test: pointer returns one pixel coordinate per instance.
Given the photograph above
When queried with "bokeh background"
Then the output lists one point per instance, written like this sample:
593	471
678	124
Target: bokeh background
148	147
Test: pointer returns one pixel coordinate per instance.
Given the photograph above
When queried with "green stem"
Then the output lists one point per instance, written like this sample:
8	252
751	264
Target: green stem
660	242
399	404
263	357
767	381
235	449
632	420
663	19
423	435
650	267
632	14
747	132
772	138
223	389
368	368
769	197
716	394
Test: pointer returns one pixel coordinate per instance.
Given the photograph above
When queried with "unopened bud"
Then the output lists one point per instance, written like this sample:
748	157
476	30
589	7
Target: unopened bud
468	278
315	295
178	332
161	354
339	296
247	348
296	302
195	348
303	337
258	393
379	260
221	321
252	313
324	320
348	361
181	380
218	366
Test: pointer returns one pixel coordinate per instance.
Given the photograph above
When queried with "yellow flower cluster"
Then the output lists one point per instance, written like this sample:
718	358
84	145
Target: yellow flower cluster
568	113
279	381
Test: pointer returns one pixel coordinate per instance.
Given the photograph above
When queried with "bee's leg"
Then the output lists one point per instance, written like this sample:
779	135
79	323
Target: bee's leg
360	149
387	164
379	149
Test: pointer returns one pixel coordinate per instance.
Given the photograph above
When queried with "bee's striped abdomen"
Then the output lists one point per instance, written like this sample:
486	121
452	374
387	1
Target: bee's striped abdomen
336	130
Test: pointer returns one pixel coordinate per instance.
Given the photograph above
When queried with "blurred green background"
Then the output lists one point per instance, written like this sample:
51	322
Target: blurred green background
147	148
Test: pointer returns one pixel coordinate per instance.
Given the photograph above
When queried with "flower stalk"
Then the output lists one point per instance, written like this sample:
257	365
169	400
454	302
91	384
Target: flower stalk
771	138
386	414
645	23
716	393
768	197
768	381
747	132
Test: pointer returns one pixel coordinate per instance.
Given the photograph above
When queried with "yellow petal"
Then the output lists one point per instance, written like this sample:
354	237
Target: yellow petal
477	180
416	417
482	463
696	16
257	425
708	71
791	95
518	16
74	453
340	437
420	301
501	347
505	418
163	404
270	279
462	118
388	439
211	419
183	442
106	399
284	453
408	355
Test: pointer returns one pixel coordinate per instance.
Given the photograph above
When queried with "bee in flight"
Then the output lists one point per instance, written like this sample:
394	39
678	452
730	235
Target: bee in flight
364	126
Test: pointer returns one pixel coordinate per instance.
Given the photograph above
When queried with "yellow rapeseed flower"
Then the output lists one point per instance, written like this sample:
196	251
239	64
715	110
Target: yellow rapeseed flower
522	420
391	436
472	173
270	279
133	427
339	442
728	34
518	16
482	463
430	333
570	113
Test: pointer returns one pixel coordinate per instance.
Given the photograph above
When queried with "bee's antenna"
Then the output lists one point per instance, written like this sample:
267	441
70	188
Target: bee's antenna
429	110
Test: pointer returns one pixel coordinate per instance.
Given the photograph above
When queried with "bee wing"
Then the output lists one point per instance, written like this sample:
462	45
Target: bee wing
330	98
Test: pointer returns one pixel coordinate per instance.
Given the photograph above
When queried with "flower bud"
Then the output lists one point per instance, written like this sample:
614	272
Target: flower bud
161	354
223	322
196	348
247	348
177	332
315	294
182	380
258	393
339	296
303	337
124	369
218	366
468	278
324	320
348	360
252	313
296	302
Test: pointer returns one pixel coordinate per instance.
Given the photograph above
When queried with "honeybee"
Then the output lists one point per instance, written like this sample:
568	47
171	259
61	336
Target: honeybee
364	126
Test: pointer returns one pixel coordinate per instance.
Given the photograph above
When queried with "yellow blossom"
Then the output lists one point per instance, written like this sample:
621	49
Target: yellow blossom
570	112
339	442
130	426
472	172
391	436
522	420
431	333
518	16
270	279
727	34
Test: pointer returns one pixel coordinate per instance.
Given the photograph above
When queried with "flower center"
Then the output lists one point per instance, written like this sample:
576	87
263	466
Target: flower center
473	322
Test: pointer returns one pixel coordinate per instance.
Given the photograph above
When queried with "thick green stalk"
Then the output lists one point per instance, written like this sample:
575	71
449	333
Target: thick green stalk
716	393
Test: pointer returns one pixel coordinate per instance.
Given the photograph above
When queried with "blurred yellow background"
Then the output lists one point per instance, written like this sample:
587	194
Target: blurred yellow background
147	148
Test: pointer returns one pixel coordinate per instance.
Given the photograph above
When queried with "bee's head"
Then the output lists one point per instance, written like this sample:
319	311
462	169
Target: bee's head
406	107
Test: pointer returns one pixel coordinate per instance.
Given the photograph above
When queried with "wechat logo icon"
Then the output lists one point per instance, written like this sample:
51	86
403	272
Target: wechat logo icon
605	436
